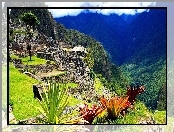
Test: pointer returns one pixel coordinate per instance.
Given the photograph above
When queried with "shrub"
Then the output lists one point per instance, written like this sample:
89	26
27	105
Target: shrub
133	91
89	113
115	106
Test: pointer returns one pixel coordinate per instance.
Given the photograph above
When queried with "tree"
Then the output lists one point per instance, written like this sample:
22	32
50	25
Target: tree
30	21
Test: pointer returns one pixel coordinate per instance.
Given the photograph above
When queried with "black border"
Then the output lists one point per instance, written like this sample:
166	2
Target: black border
90	125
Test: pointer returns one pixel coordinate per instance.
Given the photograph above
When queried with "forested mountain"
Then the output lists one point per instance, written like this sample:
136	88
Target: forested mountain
117	33
147	52
102	64
94	24
136	43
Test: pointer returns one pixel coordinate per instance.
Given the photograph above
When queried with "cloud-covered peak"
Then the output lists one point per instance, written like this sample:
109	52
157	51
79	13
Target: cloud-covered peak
75	12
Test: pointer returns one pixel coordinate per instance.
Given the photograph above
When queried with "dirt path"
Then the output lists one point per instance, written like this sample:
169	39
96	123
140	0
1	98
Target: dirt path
49	74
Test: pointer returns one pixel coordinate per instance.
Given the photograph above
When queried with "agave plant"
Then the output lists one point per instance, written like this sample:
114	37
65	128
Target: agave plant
53	103
89	114
115	106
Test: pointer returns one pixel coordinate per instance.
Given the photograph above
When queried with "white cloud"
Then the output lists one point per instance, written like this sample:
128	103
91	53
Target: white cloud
74	12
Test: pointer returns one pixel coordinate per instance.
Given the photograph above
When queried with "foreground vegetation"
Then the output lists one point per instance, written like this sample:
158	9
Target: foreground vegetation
21	96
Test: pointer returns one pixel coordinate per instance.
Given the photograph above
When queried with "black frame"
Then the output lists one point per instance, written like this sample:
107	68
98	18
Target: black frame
76	8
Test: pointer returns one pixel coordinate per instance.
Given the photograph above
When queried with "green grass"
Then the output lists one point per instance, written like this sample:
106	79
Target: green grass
34	60
21	94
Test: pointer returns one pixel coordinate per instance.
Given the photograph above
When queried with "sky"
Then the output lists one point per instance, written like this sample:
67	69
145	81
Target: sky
74	12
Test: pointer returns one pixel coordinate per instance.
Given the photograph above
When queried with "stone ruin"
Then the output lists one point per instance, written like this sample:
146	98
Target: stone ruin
19	45
46	53
71	61
66	57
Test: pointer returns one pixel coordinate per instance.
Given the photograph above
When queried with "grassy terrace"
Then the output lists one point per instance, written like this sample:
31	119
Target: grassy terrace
21	94
34	60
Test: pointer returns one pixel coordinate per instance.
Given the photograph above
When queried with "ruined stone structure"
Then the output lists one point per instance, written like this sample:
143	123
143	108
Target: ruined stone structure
71	60
66	58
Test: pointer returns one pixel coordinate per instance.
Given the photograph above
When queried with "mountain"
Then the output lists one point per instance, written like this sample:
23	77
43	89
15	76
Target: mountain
136	43
102	64
146	53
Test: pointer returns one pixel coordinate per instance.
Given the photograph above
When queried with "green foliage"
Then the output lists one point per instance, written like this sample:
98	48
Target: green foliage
29	19
140	112
98	85
92	74
152	76
53	103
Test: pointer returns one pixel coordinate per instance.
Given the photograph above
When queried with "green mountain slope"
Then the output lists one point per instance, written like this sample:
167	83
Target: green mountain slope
102	64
